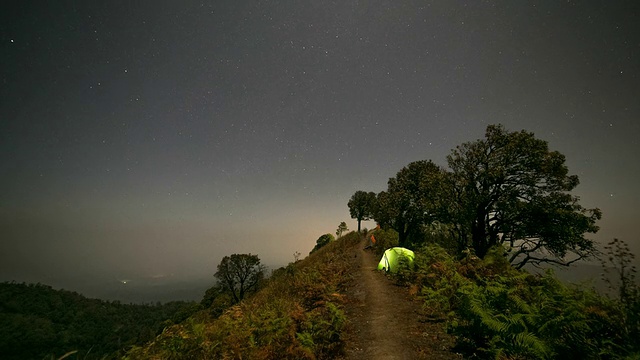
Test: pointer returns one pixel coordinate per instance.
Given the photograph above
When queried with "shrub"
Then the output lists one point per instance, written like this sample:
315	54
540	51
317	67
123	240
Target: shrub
438	279
322	241
437	233
384	239
496	311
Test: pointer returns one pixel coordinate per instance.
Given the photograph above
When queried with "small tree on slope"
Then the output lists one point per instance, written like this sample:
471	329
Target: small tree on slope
240	274
361	206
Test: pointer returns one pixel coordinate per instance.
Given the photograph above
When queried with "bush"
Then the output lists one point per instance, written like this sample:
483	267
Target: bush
435	233
322	241
438	279
496	311
384	239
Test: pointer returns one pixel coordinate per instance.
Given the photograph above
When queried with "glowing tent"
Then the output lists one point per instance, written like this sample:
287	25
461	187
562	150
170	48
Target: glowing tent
391	257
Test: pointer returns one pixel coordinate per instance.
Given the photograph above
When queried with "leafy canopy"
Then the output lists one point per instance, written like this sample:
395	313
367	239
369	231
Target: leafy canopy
342	228
240	274
510	189
507	189
413	199
322	241
361	206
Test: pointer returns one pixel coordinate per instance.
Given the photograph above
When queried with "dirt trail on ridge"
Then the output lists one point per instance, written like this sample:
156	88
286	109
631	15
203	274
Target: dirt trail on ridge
385	321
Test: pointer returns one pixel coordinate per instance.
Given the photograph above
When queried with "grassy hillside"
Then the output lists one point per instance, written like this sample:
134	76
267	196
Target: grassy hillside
297	315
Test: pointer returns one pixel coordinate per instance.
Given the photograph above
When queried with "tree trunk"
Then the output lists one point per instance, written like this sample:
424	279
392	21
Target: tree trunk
479	236
402	238
403	235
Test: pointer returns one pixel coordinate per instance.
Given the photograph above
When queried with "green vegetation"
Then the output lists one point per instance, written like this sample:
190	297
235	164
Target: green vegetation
412	200
296	315
38	322
510	189
342	229
322	241
499	312
239	275
361	206
507	189
619	262
384	239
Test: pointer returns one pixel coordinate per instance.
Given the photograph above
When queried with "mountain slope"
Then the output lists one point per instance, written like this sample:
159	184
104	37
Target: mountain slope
297	315
333	304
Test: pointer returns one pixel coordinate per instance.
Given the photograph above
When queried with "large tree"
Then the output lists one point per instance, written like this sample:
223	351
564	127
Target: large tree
361	206
510	189
240	274
414	199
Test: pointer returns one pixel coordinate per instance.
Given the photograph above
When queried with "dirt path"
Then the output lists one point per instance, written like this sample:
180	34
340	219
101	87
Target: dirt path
386	323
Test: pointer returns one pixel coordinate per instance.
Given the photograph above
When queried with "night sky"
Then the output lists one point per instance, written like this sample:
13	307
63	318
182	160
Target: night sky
150	139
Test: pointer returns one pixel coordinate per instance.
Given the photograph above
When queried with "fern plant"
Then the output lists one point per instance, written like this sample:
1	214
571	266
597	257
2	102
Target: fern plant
498	321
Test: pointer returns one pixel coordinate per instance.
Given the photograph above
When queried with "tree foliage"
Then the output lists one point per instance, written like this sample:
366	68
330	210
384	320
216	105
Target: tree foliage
38	322
361	206
507	189
216	300
510	189
414	199
322	241
240	274
384	239
342	228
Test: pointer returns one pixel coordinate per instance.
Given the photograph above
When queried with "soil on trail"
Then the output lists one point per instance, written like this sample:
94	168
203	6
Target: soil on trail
386	322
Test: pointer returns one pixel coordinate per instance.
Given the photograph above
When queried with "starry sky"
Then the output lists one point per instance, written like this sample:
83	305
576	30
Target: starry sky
152	138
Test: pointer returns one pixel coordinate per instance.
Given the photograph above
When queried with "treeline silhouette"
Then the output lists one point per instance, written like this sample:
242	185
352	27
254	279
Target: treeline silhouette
39	322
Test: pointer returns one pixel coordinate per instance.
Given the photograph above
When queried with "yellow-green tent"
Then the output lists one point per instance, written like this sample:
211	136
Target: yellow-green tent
390	258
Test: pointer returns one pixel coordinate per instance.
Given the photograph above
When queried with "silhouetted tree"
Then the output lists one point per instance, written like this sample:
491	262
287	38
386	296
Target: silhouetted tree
322	241
413	200
619	261
342	228
240	274
510	189
618	264
361	206
39	322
